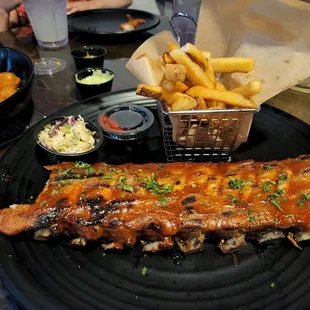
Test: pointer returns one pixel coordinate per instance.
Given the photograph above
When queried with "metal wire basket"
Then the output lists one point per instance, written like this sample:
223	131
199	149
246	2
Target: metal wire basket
210	135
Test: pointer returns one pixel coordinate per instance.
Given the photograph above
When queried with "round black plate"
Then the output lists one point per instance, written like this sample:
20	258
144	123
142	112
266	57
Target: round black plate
107	21
53	276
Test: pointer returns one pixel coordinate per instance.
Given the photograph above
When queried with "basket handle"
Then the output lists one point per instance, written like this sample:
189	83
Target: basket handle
175	30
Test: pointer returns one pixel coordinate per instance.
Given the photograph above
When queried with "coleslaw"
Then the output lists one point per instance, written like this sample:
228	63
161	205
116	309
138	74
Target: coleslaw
69	136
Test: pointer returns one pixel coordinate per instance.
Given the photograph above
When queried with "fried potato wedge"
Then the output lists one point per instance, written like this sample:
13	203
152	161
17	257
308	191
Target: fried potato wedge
194	72
227	97
150	91
195	55
249	90
172	47
206	54
180	87
202	106
184	103
167	59
232	64
168	85
175	73
220	86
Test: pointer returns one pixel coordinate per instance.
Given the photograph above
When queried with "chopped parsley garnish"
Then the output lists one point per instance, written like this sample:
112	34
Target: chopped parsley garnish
125	170
283	177
267	186
100	171
275	198
140	170
65	182
236	183
80	164
272	285
303	198
115	170
96	228
122	178
164	201
259	172
144	271
64	171
55	191
154	186
252	219
292	216
258	195
90	170
43	203
268	167
128	188
208	204
161	166
276	221
232	198
107	176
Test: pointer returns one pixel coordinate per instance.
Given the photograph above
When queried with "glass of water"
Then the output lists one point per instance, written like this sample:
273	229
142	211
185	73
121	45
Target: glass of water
48	19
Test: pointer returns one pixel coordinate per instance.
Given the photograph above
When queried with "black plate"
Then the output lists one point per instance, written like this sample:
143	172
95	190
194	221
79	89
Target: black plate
107	21
52	276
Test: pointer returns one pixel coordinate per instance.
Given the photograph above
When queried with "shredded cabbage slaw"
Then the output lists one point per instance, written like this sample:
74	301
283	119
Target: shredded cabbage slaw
69	136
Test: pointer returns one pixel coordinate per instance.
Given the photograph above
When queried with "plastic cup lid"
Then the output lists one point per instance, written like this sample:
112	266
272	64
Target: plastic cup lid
49	66
126	122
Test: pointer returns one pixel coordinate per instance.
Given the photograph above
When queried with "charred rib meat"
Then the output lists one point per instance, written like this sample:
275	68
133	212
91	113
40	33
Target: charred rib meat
176	203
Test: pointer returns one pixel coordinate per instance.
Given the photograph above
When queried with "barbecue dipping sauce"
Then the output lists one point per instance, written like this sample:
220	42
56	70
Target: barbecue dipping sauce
98	77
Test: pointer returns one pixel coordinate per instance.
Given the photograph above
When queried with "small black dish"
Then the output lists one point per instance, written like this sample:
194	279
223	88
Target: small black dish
12	60
89	56
96	88
98	136
126	122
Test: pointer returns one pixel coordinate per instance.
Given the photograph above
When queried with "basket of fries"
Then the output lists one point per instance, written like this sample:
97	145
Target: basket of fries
209	92
200	119
203	135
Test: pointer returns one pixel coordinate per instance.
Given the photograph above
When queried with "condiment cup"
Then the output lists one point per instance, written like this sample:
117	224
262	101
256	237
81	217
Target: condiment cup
89	88
89	56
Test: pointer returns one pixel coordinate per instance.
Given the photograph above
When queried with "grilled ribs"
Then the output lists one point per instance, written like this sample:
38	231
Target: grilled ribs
176	203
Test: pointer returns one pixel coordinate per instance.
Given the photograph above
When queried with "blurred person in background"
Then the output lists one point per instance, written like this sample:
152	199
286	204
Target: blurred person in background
158	7
7	6
18	15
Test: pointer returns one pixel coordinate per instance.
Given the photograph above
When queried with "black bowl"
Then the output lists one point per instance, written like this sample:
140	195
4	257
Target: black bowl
89	125
87	90
98	53
12	60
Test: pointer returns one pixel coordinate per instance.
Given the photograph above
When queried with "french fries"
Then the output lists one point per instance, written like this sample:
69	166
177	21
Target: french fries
194	72
249	90
150	91
232	64
167	59
177	86
184	103
227	97
172	47
189	81
175	73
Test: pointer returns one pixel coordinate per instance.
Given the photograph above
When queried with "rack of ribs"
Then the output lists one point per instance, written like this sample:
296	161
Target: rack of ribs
163	205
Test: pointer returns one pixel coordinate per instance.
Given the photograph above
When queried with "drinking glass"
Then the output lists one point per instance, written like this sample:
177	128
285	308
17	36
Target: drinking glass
48	19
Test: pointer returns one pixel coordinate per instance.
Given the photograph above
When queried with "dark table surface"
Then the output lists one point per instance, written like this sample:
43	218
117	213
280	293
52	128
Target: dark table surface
51	93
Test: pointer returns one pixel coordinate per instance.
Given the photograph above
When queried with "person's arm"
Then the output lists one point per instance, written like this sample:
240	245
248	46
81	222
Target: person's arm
76	6
5	8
